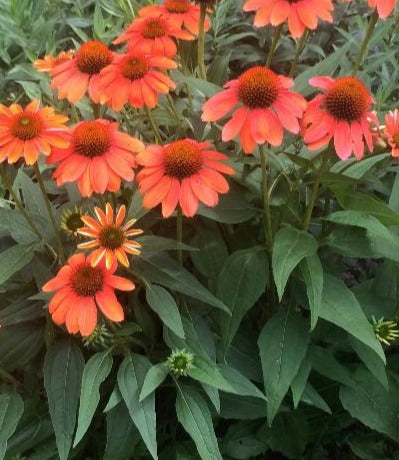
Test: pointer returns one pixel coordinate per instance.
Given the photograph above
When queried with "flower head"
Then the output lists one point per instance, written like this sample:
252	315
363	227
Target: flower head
300	14
80	74
266	106
98	157
139	79
342	112
180	13
180	362
384	7
71	221
183	172
154	35
386	331
392	131
80	289
49	62
29	131
111	238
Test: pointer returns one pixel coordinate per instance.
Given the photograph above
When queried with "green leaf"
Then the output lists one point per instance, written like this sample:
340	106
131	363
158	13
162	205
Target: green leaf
326	66
372	404
164	305
311	396
240	384
206	371
152	244
195	417
371	360
340	307
154	377
233	208
122	434
298	385
313	275
131	375
95	372
290	247
324	362
240	284
381	240
282	343
358	169
359	201
164	270
11	409
15	258
63	368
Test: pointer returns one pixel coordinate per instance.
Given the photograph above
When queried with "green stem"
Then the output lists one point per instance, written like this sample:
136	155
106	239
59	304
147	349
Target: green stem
19	204
267	221
153	126
96	110
201	43
273	46
366	40
172	106
179	234
315	192
299	48
61	252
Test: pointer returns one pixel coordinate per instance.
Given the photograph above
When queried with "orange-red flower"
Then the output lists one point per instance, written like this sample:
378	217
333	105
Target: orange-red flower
80	290
180	13
135	78
48	63
110	238
266	106
342	112
29	131
98	157
300	14
384	7
392	131
76	76
153	35
183	172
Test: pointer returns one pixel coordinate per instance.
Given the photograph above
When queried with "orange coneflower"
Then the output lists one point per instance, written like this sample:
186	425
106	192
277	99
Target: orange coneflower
111	238
29	131
137	79
98	157
48	63
80	289
153	35
391	131
384	7
300	14
180	13
80	74
266	106
342	112
183	172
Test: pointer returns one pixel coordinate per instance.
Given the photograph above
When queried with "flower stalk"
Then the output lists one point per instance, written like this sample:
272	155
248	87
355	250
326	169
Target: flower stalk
61	252
201	43
365	43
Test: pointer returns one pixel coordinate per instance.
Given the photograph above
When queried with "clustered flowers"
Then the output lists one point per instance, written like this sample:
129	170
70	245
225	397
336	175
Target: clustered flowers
98	156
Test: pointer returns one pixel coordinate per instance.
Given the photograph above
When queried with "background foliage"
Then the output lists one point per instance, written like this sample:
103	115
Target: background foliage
307	381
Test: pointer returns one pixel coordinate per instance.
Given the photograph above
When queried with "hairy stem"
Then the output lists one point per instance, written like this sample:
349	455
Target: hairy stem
179	234
153	126
299	48
273	46
315	192
365	44
201	43
61	252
